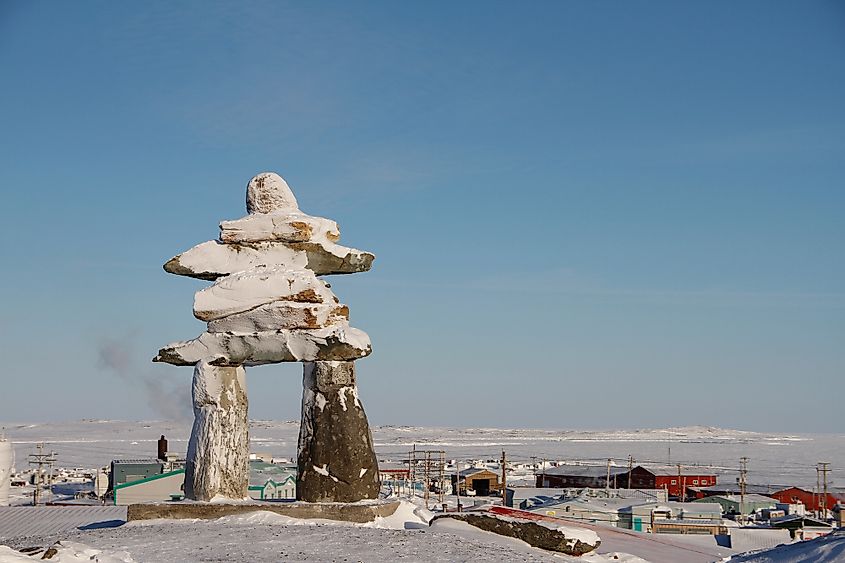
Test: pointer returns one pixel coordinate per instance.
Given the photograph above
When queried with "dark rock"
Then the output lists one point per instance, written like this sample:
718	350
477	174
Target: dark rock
532	533
336	462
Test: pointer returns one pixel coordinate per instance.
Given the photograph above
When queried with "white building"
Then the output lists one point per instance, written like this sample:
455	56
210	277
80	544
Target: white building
155	488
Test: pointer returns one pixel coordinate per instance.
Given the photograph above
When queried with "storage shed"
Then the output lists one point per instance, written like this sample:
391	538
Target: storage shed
482	481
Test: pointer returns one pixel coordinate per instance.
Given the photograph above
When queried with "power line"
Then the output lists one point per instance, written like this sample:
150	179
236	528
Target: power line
41	459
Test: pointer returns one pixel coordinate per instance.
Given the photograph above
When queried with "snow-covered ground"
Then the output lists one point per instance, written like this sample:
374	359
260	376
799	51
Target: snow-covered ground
775	458
405	536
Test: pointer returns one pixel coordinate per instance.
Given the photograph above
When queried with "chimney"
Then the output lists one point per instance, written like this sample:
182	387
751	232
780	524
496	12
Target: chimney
162	448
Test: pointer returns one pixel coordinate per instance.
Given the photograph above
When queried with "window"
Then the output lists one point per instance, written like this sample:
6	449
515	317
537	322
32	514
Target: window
695	481
674	482
704	482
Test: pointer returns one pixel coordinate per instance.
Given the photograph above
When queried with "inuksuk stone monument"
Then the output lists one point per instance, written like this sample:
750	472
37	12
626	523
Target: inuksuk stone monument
267	305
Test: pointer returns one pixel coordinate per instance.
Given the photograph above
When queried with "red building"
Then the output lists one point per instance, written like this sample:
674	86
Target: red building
638	478
675	482
813	501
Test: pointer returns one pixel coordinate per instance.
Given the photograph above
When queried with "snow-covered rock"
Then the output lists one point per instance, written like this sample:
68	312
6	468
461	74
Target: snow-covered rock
213	259
571	541
282	315
268	306
251	288
289	226
218	451
337	342
268	192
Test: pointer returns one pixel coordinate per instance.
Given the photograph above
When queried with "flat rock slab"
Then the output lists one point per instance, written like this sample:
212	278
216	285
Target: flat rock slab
290	226
533	533
358	513
213	259
339	342
252	288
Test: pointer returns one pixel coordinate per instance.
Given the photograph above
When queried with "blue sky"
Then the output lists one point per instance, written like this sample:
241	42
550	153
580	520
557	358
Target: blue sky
585	214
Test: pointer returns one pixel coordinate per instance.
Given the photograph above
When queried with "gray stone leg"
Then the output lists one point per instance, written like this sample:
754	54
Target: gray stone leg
337	462
218	453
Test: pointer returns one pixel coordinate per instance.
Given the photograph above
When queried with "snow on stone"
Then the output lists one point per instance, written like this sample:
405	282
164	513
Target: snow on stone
213	259
338	342
324	471
282	315
268	306
220	435
291	226
574	534
321	401
268	192
254	287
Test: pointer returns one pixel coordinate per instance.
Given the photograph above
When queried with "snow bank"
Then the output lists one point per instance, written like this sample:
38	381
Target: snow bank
825	549
68	552
408	516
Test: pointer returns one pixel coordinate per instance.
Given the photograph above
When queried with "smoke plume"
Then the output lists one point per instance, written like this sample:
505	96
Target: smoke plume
168	399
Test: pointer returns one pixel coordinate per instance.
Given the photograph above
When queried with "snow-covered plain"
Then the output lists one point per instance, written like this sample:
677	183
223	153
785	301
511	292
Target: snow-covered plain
775	458
788	459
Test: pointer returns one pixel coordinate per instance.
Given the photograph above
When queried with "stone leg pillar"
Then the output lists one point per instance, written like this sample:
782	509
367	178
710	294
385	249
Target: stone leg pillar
336	462
218	453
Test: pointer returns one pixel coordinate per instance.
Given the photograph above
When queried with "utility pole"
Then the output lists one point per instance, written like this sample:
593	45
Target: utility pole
630	468
40	459
607	480
824	468
543	473
504	481
680	487
458	483
426	476
743	472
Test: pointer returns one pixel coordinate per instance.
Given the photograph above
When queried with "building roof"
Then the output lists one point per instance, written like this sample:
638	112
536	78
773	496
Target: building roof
584	471
473	470
612	505
20	521
751	499
804	521
138	461
685	471
180	471
733	488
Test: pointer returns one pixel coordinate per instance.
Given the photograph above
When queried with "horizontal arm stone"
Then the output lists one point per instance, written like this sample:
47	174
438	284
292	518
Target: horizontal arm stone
336	343
251	288
282	314
213	259
292	226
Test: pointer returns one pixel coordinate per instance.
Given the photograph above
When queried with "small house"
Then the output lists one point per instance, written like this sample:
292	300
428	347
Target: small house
475	481
270	481
273	490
